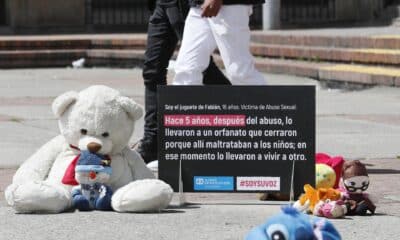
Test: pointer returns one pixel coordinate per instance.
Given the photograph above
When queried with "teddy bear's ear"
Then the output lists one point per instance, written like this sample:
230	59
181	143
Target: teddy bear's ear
62	102
131	107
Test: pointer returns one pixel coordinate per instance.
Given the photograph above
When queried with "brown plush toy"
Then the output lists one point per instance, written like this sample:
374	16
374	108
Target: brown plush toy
355	182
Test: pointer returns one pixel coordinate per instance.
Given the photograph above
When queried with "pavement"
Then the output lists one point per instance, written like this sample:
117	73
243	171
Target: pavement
358	123
349	30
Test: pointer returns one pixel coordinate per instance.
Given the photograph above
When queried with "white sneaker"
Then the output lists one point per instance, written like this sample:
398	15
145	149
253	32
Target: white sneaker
153	165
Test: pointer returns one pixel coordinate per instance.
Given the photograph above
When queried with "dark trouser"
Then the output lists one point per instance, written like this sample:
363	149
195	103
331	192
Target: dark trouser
164	31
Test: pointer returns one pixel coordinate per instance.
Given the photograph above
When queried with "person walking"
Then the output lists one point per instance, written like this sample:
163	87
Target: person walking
165	29
222	24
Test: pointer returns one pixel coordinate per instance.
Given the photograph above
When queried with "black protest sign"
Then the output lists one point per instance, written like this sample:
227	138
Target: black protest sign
237	138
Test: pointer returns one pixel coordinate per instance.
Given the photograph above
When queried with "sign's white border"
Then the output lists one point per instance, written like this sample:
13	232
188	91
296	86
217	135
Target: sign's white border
258	183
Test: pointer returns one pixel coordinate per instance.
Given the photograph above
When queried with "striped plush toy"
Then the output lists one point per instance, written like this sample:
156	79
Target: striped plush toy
92	172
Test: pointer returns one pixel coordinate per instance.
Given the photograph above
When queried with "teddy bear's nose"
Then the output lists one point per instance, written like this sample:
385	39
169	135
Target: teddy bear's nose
93	147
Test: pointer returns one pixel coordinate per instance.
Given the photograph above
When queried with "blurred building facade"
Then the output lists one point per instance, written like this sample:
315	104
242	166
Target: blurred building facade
31	16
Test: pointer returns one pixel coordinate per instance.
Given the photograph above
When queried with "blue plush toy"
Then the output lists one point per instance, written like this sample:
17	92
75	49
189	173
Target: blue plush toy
92	171
292	225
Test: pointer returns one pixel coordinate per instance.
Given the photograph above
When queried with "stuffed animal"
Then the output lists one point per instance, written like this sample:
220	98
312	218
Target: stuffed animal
92	172
330	209
312	196
355	182
293	225
102	118
325	176
336	163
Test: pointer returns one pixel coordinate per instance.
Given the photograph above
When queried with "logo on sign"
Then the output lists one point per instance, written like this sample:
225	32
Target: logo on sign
199	181
258	183
207	183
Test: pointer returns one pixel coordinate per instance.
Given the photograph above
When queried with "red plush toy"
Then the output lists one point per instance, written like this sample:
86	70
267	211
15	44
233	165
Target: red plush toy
336	163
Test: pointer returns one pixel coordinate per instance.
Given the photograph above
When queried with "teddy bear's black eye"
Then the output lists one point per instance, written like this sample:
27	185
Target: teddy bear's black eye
352	183
106	134
83	131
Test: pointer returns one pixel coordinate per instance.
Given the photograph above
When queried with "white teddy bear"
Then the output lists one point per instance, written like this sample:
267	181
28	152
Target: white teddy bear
101	118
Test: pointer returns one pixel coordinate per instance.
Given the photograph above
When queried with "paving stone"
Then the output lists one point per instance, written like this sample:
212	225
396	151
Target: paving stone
383	80
345	76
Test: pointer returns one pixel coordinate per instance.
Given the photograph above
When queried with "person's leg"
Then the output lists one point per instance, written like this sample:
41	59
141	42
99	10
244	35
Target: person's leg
232	35
194	55
176	20
212	75
161	43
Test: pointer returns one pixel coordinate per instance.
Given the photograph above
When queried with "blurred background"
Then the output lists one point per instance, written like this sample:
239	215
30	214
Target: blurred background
82	16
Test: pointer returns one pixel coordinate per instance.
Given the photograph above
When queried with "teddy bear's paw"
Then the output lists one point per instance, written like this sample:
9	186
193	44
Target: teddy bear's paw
38	197
147	195
9	194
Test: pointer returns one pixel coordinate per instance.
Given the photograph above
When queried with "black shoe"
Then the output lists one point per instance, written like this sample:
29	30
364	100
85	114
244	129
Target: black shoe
147	150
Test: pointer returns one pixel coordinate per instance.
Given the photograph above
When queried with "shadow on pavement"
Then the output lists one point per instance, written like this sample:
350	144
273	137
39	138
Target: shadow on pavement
165	211
383	171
